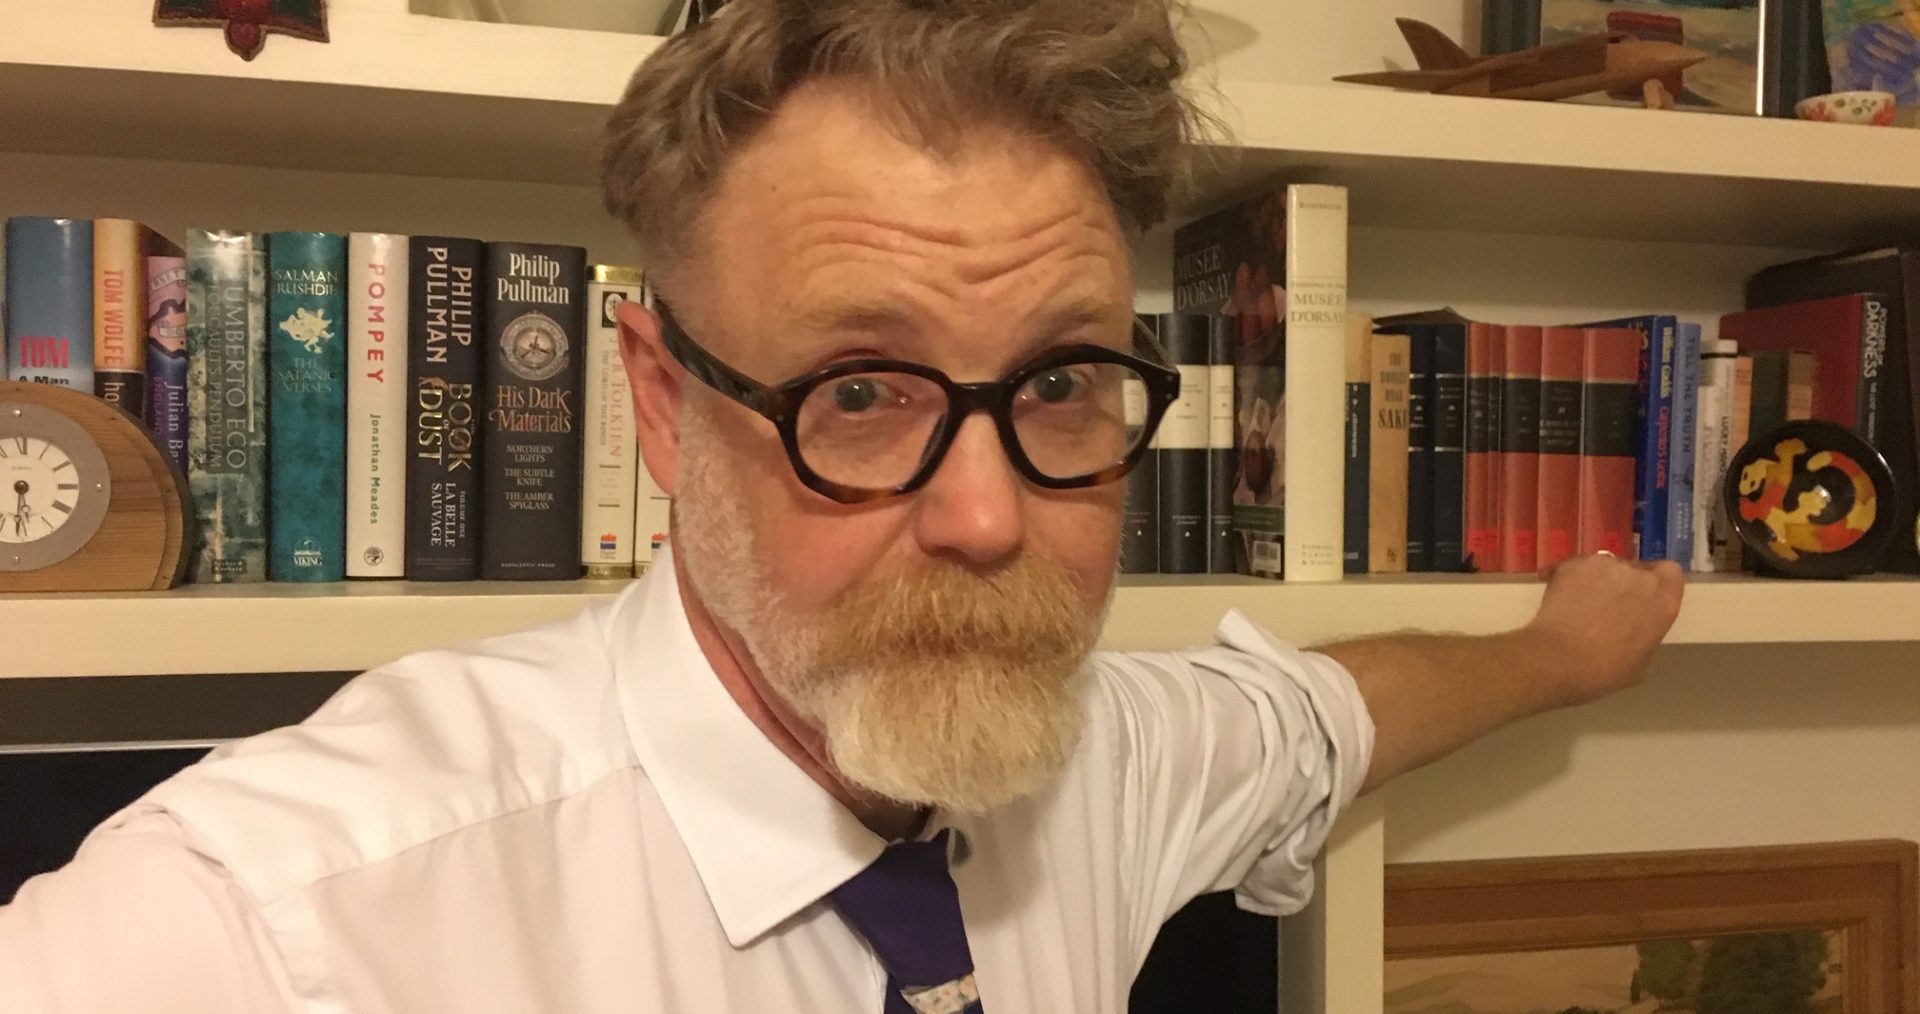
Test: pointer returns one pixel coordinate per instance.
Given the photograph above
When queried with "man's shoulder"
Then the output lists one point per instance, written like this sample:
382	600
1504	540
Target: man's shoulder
423	747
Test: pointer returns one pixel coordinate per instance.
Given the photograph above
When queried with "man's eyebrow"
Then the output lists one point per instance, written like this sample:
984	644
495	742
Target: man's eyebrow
860	316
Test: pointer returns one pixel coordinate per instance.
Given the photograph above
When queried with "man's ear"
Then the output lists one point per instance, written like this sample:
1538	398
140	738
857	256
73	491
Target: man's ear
651	373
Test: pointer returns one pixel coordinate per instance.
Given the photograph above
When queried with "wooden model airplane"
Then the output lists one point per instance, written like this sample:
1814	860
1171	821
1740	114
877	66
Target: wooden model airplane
1609	62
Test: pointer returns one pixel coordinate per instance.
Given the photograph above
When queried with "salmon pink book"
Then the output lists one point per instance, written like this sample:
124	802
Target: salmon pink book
1562	360
1519	485
1610	375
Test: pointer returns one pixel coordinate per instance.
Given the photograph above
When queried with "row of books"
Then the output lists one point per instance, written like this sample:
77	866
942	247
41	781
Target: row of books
1432	442
366	405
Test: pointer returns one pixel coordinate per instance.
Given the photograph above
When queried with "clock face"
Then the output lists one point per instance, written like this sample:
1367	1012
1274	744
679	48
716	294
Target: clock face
54	487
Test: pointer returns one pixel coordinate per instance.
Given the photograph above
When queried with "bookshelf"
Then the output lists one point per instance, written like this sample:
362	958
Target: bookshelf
1507	210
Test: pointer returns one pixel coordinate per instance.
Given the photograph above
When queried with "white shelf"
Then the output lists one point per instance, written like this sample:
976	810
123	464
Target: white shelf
1491	165
392	93
349	627
402	94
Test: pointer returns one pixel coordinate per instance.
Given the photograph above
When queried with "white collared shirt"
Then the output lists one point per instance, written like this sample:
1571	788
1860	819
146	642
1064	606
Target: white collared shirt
578	819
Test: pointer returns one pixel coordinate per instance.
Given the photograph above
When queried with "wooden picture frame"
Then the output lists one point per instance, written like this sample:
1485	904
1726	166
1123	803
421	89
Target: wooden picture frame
1866	890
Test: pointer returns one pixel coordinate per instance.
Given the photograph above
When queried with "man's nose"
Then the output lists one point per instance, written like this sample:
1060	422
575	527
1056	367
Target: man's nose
971	507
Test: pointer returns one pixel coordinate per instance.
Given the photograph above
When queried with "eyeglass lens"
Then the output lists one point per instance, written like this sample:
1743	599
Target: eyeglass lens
875	430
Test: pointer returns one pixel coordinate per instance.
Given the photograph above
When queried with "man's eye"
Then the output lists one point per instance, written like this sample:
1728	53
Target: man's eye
1057	386
856	394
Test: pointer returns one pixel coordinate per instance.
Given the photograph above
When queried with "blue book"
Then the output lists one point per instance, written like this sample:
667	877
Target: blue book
307	426
49	323
1652	430
1686	416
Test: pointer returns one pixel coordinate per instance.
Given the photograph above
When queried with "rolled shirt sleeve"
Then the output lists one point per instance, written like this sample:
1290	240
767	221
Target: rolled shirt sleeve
141	920
1234	761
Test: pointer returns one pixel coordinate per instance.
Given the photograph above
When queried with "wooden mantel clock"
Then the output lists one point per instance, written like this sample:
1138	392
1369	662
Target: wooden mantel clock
88	502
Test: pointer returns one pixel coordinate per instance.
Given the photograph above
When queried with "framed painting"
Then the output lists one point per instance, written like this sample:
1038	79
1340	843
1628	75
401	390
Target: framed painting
1803	929
1763	56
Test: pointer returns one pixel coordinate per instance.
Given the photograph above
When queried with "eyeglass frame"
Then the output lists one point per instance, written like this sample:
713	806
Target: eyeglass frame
780	405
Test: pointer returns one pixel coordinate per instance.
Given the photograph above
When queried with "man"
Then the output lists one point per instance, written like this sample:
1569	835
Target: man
845	749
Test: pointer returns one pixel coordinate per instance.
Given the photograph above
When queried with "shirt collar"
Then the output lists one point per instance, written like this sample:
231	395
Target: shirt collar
766	839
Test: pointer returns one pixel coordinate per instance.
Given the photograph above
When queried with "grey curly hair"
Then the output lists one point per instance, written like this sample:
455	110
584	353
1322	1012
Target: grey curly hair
1101	78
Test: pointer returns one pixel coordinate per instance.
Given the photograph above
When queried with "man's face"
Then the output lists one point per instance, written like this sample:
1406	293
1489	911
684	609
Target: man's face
932	636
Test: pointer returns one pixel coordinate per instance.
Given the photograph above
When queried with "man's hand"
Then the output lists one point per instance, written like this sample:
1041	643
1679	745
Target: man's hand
1603	617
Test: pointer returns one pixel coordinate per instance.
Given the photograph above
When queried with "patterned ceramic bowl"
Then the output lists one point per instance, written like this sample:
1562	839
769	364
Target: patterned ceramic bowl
1873	108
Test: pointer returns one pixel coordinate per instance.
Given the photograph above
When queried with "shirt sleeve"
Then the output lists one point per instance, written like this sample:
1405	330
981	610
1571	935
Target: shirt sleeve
1232	761
139	921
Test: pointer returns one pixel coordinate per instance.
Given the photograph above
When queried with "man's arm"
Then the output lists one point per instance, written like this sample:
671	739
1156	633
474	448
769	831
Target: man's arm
1430	694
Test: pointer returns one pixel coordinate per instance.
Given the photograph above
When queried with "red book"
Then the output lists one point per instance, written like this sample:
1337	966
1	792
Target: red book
1848	338
1609	379
1563	352
1520	449
1483	413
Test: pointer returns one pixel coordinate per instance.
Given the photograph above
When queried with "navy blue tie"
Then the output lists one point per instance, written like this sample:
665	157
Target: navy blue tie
908	909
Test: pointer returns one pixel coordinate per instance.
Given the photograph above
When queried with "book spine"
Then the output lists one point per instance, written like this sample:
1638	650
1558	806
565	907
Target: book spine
1712	453
166	414
611	454
1140	529
1184	438
443	410
1449	427
120	313
1221	463
1767	407
1483	398
49	323
1562	360
1387	458
1316	323
1654	443
1607	459
1520	450
307	424
1686	427
1803	372
1875	387
1140	524
227	404
531	443
1358	441
376	405
1419	450
1739	428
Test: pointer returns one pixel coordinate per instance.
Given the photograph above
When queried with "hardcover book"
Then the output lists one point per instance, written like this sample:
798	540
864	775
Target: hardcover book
533	366
307	426
1220	445
1653	430
1387	456
1276	265
1739	427
1419	446
166	414
120	313
612	455
1358	440
227	404
49	312
652	517
1448	424
443	413
1894	271
1140	523
1713	451
1768	405
1183	447
1562	365
377	397
1606	440
1520	451
1482	511
1686	428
